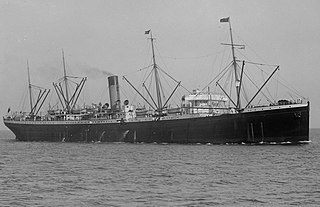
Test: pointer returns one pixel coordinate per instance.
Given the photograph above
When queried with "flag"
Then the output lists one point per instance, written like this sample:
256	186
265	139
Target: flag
147	32
224	19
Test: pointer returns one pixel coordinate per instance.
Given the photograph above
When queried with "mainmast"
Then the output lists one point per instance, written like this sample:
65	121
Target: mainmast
156	74
68	101
157	105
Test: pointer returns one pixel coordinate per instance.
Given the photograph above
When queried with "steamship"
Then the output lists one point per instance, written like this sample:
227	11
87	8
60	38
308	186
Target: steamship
202	117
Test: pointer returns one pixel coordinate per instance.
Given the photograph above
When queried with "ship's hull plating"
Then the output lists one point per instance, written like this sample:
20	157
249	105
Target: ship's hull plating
276	125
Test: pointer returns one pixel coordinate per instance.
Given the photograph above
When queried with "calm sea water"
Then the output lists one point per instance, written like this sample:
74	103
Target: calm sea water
105	174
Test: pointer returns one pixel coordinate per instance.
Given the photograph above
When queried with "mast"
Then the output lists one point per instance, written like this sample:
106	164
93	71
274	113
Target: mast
67	100
156	74
238	81
234	63
238	99
29	84
42	95
65	82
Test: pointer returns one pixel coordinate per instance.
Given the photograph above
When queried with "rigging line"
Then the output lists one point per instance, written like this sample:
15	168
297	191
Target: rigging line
150	83
258	88
148	48
262	71
168	69
145	100
245	93
165	104
174	79
228	78
150	95
277	87
168	75
251	61
250	48
222	71
146	73
161	57
231	86
130	96
262	74
62	80
292	89
124	92
22	97
37	87
75	77
216	62
212	65
224	54
167	83
268	91
149	75
263	78
227	70
170	88
291	96
141	69
161	89
103	92
145	67
135	98
186	58
227	67
254	63
23	100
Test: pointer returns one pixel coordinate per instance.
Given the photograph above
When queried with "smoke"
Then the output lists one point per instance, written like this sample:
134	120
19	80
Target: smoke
47	73
93	72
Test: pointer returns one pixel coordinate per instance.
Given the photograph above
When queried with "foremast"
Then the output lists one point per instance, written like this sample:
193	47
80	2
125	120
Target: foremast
238	80
234	63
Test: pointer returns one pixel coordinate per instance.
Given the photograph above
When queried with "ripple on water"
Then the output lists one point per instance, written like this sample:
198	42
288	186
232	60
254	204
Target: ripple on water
120	174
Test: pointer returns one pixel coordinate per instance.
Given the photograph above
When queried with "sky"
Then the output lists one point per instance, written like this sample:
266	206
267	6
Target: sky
107	36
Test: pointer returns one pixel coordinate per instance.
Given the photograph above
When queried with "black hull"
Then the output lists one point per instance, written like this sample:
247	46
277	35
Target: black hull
276	125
